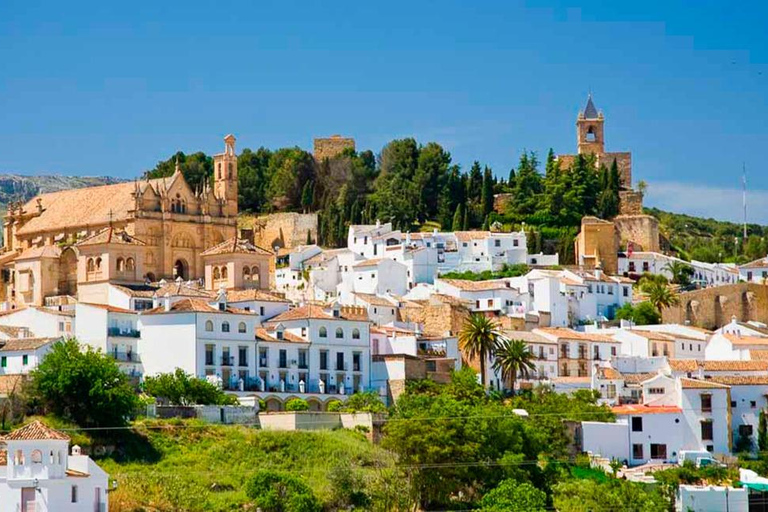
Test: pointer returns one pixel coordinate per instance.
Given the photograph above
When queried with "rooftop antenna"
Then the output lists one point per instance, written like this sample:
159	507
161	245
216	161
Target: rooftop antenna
744	196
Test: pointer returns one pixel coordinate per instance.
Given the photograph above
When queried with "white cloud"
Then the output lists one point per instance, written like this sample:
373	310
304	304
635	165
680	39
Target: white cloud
706	201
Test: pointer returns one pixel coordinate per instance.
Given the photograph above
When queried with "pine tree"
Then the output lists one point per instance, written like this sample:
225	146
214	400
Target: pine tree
307	196
486	224
465	218
475	182
487	195
457	218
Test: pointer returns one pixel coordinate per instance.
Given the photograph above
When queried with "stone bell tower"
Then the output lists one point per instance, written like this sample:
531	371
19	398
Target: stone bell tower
590	131
225	176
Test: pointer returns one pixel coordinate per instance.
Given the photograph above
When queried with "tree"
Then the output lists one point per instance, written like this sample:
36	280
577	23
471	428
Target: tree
83	386
13	405
179	388
762	432
585	495
431	171
487	194
197	168
366	401
642	314
681	272
457	218
296	404
252	179
513	358
528	185
307	196
479	338
289	170
274	491
513	496
660	295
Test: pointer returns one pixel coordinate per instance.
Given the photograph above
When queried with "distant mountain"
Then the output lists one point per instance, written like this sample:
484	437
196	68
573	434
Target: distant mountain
15	187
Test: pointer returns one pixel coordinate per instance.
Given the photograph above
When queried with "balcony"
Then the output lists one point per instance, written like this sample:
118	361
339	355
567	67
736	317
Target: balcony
126	357
122	332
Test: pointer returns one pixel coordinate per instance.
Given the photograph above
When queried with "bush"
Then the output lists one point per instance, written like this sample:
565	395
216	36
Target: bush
296	404
273	491
367	401
334	406
179	388
84	386
511	496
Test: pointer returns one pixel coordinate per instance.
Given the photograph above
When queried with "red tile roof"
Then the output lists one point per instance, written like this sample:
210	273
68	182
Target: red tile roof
35	431
645	409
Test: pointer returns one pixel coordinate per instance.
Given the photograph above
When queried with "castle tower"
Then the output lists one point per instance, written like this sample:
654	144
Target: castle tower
225	176
589	130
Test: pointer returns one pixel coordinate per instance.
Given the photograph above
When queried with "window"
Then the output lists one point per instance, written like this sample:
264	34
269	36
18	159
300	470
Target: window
25	362
283	358
497	243
356	362
37	457
263	356
209	354
637	424
355	334
752	403
323	332
646	268
637	451
120	265
241	327
658	451
242	356
224	326
261	310
733	403
303	354
613	351
3	362
706	403
625	290
74	494
323	359
339	333
656	391
631	266
209	326
130	265
710	448
745	430
707	433
340	360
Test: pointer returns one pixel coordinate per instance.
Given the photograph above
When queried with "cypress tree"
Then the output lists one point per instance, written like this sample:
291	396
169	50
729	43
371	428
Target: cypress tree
457	219
487	194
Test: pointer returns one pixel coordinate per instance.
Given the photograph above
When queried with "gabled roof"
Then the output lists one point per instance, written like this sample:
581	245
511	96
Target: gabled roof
12	331
746	340
310	311
235	245
111	309
288	337
374	262
35	431
758	263
569	334
608	373
21	344
632	409
46	251
467	236
195	306
700	384
110	235
652	335
375	300
253	294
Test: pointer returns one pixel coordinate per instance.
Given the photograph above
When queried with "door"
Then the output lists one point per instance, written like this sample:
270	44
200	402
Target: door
97	500
28	499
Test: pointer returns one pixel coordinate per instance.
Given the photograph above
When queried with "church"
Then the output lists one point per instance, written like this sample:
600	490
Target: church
73	243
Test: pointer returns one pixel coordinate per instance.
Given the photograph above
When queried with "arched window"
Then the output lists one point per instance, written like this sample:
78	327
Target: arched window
223	272
355	334
241	327
183	208
90	266
591	136
37	457
98	263
50	457
209	326
229	171
339	333
246	274
120	265
216	273
255	271
224	326
130	265
323	332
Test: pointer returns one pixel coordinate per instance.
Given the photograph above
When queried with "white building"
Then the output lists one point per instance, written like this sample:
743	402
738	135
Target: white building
704	274
46	322
22	355
579	352
37	474
544	351
734	346
754	271
379	276
112	330
499	296
326	349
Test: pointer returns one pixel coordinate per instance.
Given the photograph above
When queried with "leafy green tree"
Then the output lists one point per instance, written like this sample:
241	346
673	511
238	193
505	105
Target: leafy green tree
84	386
348	489
528	185
762	432
585	495
274	491
512	496
475	182
432	168
289	169
296	404
180	388
252	179
660	295
366	401
479	338
642	314
513	358
197	168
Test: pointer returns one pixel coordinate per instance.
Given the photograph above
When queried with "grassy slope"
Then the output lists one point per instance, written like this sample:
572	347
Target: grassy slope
195	467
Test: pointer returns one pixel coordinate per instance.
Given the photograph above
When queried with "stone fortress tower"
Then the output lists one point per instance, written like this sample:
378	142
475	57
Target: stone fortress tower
597	244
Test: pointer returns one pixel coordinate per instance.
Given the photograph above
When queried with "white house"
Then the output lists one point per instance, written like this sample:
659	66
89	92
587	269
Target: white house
579	352
544	350
499	296
112	330
326	349
704	274
751	328
379	276
22	355
754	271
734	346
381	310
46	322
38	474
203	339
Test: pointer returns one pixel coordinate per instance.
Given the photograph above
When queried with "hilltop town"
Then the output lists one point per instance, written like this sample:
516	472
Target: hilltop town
347	291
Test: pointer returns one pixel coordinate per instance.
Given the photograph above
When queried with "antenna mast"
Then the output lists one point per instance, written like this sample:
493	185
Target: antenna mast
744	196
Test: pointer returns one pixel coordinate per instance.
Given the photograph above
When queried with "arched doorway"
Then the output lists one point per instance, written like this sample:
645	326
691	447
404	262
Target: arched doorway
68	272
181	269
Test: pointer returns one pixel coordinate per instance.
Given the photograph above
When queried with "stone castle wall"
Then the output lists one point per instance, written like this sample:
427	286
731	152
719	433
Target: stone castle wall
630	202
623	162
329	147
284	230
711	308
641	230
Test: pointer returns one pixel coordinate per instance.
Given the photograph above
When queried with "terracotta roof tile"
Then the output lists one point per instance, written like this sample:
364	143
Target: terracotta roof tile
20	344
12	331
35	431
45	251
110	235
683	365
609	374
195	306
563	333
318	313
369	263
652	335
111	309
375	300
741	380
637	378
632	409
3	457
700	384
466	236
746	340
466	285
253	294
758	355
288	337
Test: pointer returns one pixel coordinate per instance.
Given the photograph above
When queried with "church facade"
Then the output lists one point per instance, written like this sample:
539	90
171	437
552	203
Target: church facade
68	243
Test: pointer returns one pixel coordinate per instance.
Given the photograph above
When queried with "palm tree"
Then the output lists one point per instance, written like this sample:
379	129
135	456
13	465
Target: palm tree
681	272
511	358
479	338
661	296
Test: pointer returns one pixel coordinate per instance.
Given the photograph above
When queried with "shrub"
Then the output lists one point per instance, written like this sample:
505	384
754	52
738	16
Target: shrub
367	401
179	388
334	406
296	404
273	491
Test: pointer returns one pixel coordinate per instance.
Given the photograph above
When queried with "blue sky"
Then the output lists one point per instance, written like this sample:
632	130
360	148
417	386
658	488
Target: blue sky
94	88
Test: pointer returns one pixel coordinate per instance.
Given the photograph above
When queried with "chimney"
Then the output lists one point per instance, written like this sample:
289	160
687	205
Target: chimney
378	223
76	450
221	298
167	302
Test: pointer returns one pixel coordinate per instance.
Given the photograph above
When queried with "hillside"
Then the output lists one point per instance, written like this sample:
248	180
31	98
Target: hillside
16	187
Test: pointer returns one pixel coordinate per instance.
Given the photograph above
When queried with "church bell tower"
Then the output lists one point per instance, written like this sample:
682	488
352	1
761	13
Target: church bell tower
589	130
225	176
